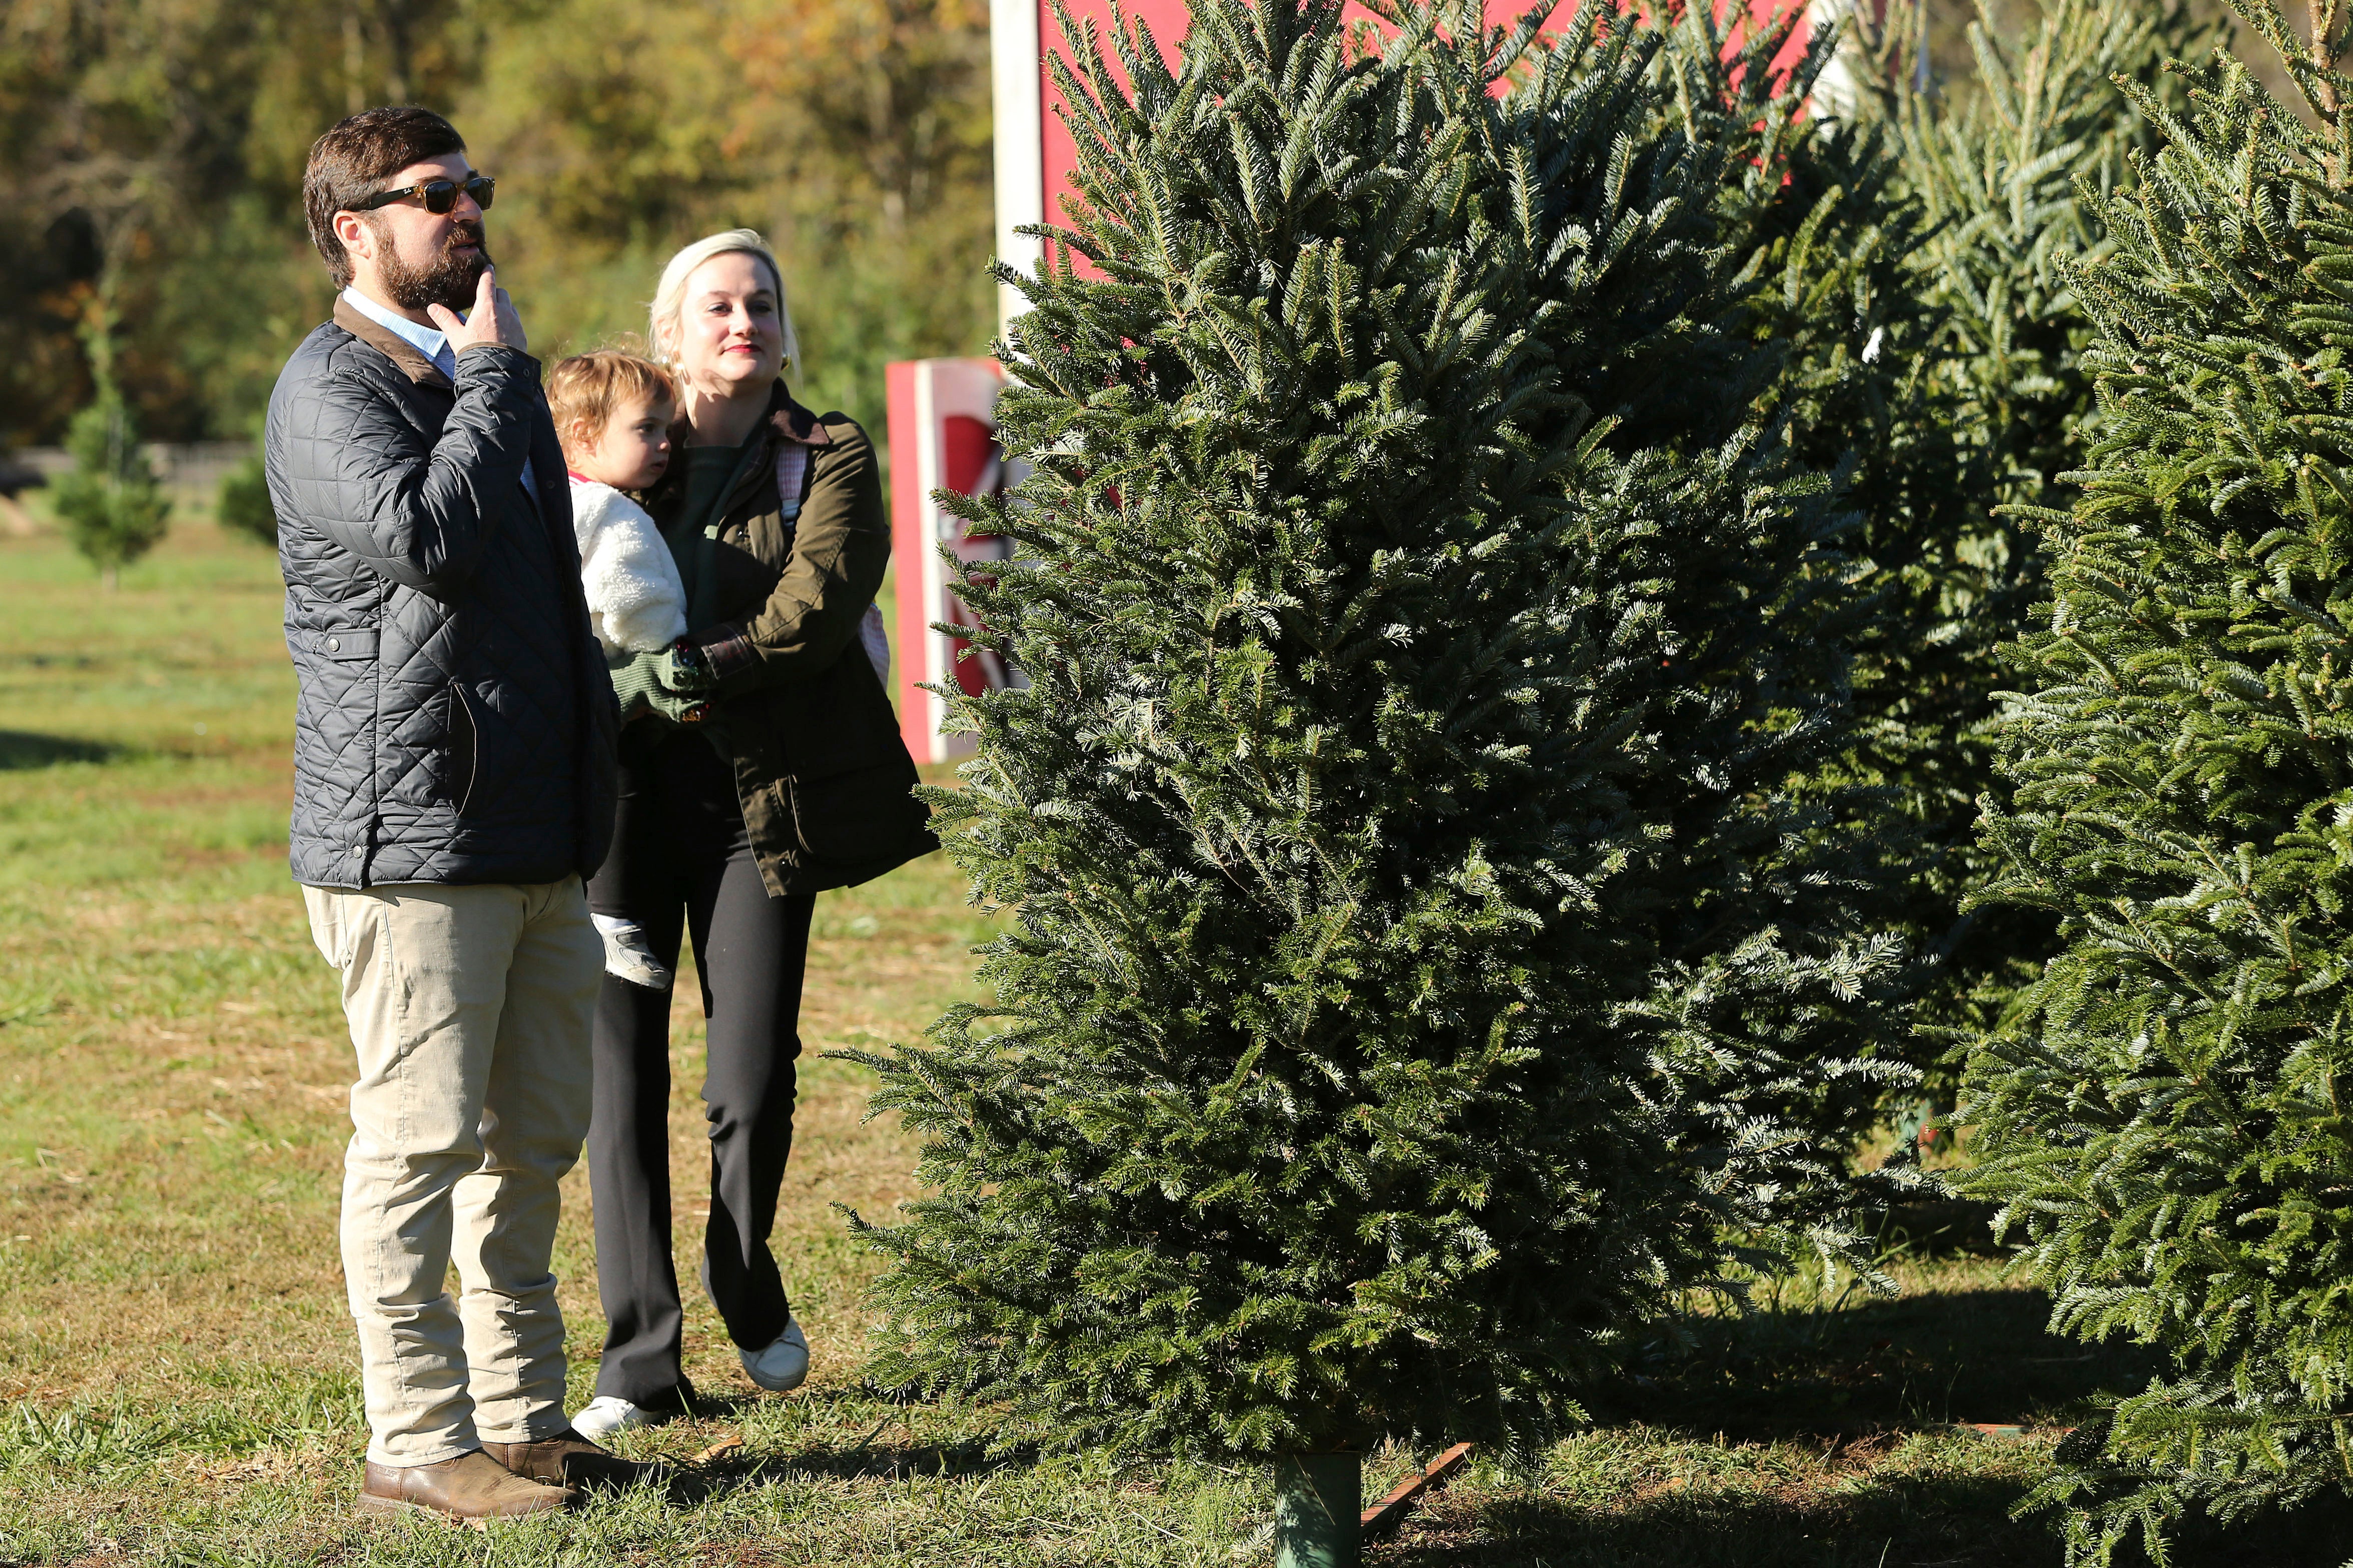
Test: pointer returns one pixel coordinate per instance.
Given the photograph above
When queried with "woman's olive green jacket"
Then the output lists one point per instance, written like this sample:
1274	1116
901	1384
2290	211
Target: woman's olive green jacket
826	785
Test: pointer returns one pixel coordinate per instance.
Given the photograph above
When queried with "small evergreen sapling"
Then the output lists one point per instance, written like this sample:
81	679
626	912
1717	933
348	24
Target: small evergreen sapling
2166	1119
1423	925
244	505
113	509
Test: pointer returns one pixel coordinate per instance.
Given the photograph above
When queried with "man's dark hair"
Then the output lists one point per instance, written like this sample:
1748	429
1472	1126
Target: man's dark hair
352	162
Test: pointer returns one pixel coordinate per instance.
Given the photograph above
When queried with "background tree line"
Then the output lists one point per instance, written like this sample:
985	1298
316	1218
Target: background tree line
151	158
151	151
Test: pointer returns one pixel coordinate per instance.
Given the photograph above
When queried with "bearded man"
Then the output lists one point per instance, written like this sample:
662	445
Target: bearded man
453	763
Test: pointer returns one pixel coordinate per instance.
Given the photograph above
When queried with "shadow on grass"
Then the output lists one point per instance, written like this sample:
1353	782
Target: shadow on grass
1860	1380
699	1480
1928	1359
1916	1522
1939	1228
1952	1521
713	1478
22	748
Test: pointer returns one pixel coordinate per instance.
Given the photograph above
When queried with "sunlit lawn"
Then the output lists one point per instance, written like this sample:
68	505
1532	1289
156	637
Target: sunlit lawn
177	1369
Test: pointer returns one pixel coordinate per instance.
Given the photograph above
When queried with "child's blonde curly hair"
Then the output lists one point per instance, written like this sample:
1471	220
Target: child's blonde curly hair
583	390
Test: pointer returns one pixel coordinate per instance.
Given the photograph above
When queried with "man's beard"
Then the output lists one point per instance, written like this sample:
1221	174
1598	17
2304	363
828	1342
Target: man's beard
449	279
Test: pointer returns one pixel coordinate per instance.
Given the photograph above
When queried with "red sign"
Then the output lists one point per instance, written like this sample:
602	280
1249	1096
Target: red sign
942	438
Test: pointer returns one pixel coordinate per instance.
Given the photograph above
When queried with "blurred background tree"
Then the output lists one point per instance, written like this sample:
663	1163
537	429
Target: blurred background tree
159	143
243	505
113	509
151	151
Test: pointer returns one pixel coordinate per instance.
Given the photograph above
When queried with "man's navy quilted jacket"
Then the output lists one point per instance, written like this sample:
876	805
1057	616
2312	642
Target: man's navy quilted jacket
455	721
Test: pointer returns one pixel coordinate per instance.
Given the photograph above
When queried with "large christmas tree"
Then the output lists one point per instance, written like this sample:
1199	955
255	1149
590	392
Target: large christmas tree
1950	213
2165	1121
1425	921
1828	298
1792	303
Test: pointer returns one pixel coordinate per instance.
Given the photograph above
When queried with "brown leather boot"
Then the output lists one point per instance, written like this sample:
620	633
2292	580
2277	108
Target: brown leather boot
567	1459
473	1487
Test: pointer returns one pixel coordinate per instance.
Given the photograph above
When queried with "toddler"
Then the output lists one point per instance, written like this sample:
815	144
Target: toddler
612	413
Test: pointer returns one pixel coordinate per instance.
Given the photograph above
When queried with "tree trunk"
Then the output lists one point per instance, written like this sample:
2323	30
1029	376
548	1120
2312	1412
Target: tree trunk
1318	1504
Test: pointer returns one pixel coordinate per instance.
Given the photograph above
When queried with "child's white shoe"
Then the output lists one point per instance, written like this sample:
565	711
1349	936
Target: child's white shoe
626	954
782	1365
606	1416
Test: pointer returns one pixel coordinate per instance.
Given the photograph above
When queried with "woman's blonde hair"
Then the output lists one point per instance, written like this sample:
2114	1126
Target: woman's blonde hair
670	294
583	390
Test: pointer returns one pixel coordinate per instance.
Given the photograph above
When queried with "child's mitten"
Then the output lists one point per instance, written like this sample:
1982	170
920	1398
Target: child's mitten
638	683
684	671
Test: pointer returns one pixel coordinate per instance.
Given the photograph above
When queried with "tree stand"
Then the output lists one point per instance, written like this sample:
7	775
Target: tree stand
1318	1507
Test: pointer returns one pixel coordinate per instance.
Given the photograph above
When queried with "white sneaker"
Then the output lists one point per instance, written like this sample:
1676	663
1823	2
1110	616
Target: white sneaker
626	954
782	1366
606	1416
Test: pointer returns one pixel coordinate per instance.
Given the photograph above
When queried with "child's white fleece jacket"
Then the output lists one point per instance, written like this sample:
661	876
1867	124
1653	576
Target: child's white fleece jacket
636	603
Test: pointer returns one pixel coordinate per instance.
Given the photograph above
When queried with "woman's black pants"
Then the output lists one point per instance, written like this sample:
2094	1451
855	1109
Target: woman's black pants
681	859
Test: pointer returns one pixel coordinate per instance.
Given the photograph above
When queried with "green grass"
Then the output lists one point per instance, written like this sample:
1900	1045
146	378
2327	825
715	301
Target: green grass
178	1377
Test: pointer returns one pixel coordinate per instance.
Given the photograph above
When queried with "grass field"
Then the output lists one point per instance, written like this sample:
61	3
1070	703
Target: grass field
176	1372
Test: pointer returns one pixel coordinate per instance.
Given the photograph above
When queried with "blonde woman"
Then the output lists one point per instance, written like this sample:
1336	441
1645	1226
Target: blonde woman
797	781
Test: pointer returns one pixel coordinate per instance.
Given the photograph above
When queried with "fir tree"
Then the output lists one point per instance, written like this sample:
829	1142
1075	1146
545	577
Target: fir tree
244	505
113	509
1899	257
2000	173
1420	927
2164	1120
1817	213
1776	305
1958	382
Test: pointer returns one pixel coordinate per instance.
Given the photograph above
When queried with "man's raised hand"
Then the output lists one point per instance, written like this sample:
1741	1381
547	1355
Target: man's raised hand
493	320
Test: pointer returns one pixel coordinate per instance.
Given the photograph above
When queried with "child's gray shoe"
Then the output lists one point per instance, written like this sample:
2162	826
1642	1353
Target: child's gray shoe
626	954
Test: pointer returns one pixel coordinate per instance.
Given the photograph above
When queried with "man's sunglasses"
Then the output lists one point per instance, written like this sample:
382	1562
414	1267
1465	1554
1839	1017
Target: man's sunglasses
439	195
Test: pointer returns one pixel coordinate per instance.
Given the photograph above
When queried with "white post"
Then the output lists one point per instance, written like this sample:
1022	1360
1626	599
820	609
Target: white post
1834	89
1019	140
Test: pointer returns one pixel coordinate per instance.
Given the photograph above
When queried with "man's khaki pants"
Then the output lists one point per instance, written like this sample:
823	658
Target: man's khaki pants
471	1009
